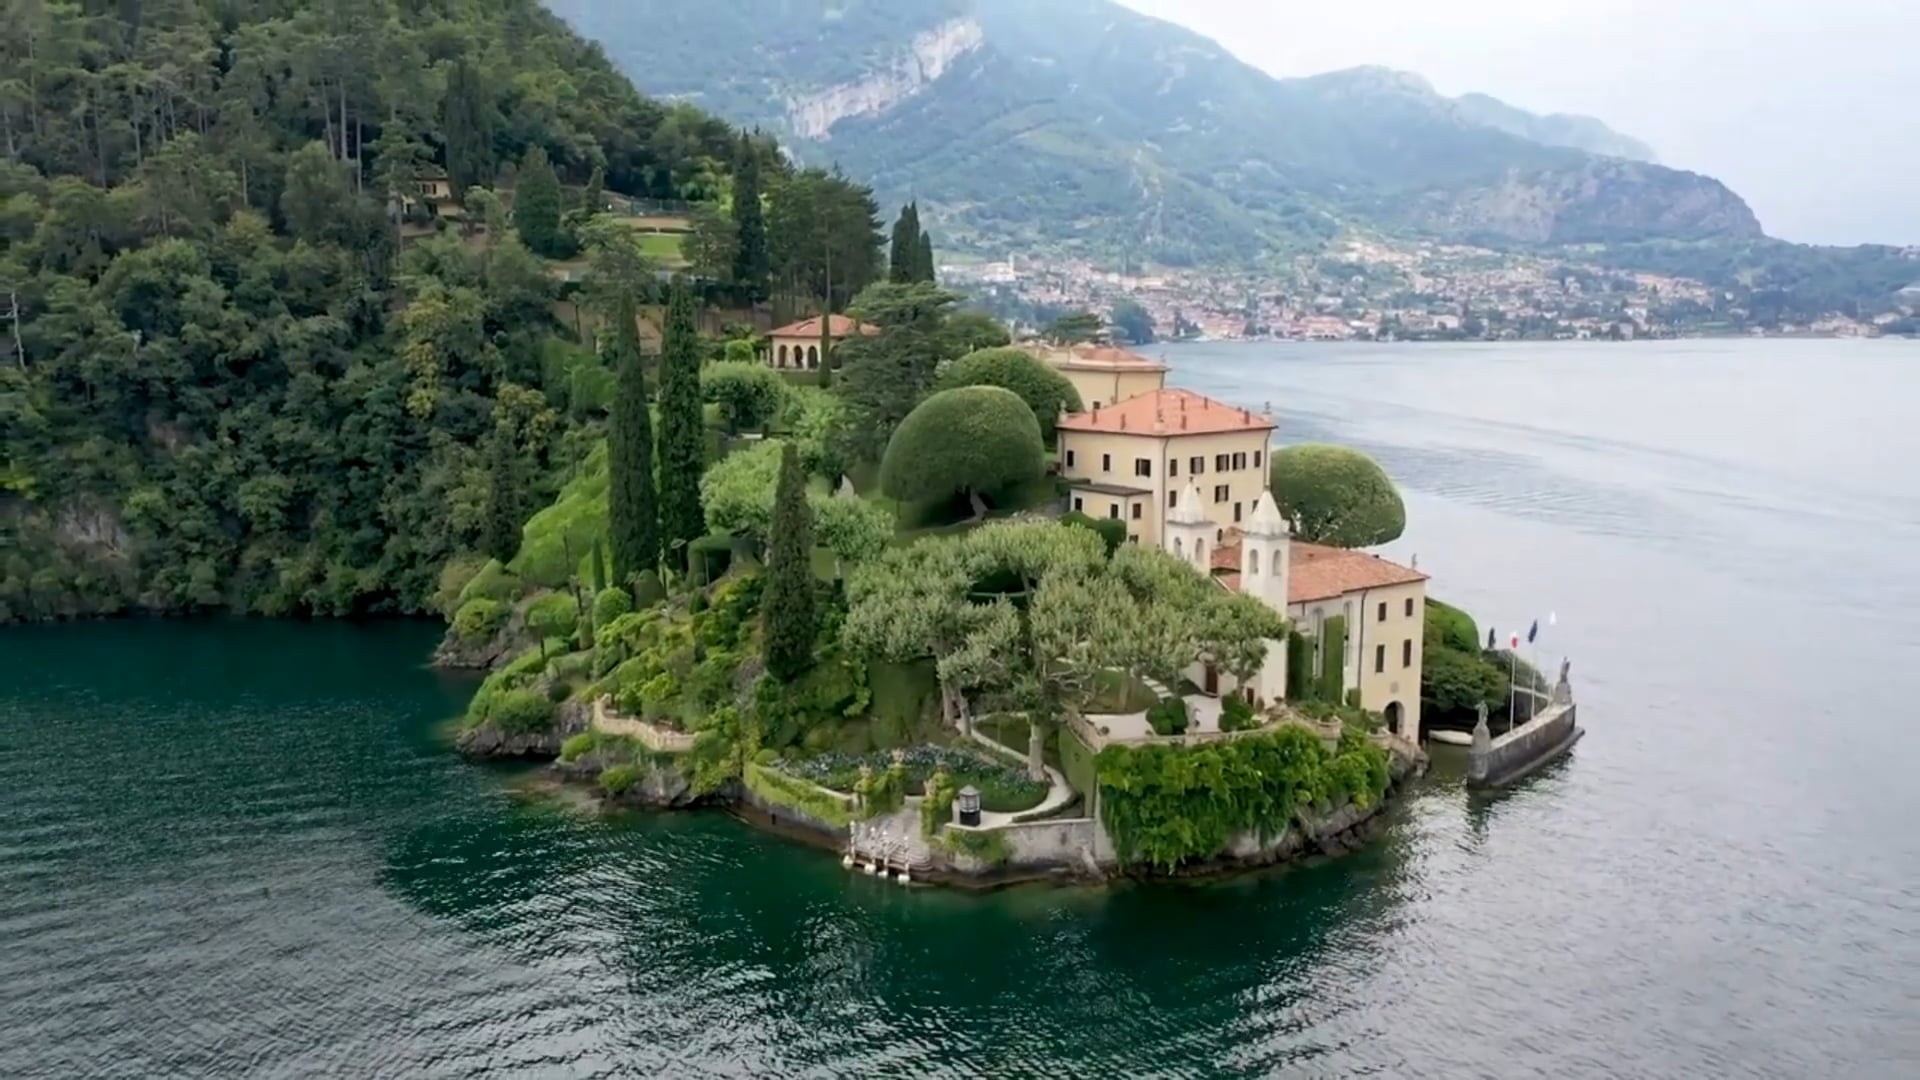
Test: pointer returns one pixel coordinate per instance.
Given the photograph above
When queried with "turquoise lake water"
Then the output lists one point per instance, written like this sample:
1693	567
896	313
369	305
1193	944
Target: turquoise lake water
233	848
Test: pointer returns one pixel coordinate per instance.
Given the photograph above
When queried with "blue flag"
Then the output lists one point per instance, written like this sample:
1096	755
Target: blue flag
1533	631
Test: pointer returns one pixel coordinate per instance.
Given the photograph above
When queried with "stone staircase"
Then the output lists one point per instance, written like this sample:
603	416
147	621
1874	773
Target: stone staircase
889	846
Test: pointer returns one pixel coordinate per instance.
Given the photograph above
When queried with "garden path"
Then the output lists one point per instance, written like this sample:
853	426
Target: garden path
1059	792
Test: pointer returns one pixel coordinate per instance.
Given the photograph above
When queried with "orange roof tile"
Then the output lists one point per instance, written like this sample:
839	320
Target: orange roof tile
1168	412
1091	357
1319	572
838	326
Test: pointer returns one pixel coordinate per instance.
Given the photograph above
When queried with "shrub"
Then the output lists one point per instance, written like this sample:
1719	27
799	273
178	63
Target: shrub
578	746
479	619
1449	627
749	395
619	779
455	576
1236	714
521	712
492	582
1112	531
559	539
977	439
552	616
1045	390
610	605
1333	495
1168	717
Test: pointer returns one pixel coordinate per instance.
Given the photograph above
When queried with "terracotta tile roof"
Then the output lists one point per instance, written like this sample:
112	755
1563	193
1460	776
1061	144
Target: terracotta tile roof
1318	572
839	326
1091	357
1168	412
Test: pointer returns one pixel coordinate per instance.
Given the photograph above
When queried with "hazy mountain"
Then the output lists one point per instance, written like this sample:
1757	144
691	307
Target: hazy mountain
1082	123
1554	129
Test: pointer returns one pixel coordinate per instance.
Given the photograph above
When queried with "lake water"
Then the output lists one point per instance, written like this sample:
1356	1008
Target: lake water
234	848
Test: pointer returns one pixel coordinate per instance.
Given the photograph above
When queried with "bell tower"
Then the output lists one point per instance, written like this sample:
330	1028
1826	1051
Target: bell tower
1189	532
1266	554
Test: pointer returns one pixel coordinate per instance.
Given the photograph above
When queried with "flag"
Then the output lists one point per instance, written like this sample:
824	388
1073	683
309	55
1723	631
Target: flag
1533	631
1553	618
1513	642
1490	645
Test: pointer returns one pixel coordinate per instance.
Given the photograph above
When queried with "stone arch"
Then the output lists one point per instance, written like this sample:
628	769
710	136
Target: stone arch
1396	715
1200	552
1253	561
783	356
813	356
1276	562
1179	549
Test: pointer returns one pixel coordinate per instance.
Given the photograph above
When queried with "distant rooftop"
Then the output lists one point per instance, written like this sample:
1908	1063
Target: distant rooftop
1091	357
1319	572
838	326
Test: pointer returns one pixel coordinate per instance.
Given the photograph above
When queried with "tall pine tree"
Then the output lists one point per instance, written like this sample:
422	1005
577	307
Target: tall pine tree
751	266
633	515
504	504
536	206
792	619
683	433
467	117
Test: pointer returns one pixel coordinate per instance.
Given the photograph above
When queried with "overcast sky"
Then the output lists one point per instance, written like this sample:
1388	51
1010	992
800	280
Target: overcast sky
1810	109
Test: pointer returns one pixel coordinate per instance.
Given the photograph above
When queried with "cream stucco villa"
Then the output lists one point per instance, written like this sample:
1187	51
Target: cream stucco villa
1188	474
797	345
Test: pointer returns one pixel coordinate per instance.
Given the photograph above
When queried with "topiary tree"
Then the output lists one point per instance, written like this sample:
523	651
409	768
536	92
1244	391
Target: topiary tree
749	395
1112	531
1045	390
792	618
1333	495
975	440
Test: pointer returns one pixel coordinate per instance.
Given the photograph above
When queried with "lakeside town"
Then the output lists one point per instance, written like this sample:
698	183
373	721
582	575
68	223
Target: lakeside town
1374	290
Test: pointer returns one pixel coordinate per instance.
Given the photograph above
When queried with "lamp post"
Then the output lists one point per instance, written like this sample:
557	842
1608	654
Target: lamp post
967	806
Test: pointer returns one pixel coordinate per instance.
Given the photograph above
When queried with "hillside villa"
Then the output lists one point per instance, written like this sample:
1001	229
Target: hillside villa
1103	374
796	346
1188	474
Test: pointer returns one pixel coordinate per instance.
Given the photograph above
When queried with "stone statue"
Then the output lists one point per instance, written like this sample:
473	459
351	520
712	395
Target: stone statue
1563	690
1480	723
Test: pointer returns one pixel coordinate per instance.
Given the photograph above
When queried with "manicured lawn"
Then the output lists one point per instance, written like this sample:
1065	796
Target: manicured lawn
1011	732
662	246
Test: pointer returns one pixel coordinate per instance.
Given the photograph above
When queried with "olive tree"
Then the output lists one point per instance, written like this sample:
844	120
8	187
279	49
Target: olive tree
1334	495
975	440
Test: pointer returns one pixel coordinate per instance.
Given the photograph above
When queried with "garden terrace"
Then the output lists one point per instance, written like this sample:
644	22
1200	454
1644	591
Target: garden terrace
1003	787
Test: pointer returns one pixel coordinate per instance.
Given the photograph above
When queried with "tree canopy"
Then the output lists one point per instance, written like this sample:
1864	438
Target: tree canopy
975	440
1045	390
1334	495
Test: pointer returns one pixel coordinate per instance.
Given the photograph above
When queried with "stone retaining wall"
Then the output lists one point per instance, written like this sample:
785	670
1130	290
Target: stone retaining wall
1525	748
658	740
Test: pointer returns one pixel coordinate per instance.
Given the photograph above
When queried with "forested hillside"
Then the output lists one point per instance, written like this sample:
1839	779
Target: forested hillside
246	367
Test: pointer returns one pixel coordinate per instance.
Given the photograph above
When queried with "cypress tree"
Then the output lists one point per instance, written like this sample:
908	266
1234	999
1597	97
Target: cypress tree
826	348
599	567
924	262
536	205
502	537
467	117
792	621
596	191
633	518
683	434
903	255
751	262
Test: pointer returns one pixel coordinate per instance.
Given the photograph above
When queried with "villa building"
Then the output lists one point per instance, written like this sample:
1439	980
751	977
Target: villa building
1134	460
1188	474
1103	374
797	345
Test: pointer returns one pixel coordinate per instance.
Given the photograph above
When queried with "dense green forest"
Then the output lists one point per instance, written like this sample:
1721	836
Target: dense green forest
245	368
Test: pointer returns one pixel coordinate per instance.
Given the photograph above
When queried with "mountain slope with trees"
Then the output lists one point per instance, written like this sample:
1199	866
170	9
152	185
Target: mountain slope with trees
1082	123
246	368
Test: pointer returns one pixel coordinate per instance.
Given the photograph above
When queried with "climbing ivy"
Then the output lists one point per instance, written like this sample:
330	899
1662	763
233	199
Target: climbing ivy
1165	805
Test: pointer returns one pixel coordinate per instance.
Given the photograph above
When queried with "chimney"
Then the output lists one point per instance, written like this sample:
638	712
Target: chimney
1123	421
1183	419
1096	412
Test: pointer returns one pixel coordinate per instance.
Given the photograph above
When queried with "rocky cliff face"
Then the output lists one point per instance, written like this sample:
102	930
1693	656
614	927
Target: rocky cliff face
926	58
1598	201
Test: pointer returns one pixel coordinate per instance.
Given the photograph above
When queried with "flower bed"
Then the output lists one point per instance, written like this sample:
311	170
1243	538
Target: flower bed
1003	786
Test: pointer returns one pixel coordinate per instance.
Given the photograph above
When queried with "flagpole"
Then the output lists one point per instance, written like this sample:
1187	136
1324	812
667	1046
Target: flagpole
1512	655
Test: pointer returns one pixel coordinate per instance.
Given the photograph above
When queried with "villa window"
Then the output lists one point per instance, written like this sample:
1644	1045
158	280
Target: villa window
1106	462
1256	459
1137	510
1173	499
1409	607
1142	467
1069	459
1113	510
1236	511
1379	658
1133	538
1220	462
1173	466
1196	465
1383	612
1406	653
1240	461
1221	493
1076	502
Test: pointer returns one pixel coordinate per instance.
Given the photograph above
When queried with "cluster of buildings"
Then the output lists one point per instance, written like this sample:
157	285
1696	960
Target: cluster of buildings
1367	289
1188	474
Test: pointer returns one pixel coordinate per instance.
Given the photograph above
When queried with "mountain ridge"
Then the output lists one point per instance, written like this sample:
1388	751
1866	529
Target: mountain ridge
1083	125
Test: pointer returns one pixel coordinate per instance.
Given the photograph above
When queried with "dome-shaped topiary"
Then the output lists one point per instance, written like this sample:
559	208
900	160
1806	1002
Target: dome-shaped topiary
1046	391
1334	495
976	439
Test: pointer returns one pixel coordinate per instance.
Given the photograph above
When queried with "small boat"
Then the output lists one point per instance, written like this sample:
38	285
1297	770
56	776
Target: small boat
1450	737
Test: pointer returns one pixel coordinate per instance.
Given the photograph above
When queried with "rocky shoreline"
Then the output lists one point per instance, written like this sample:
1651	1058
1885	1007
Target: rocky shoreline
1316	833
